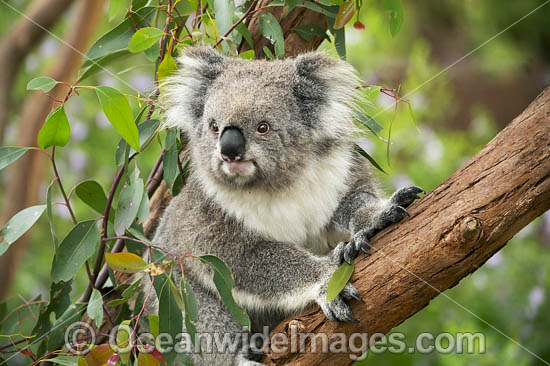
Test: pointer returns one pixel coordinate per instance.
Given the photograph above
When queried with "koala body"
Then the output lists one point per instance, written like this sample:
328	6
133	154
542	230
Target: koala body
276	189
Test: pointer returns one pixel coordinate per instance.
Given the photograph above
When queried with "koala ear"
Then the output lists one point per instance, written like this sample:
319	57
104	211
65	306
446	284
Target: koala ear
325	88
184	94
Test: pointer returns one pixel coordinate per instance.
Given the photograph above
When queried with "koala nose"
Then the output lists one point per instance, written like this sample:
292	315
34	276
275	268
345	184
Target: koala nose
232	144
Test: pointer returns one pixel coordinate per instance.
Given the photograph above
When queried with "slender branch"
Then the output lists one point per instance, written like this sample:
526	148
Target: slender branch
236	24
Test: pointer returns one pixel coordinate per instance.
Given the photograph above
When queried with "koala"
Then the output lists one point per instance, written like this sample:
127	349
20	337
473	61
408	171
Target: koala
276	188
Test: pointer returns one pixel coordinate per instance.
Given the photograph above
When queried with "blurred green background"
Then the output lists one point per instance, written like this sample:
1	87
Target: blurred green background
457	111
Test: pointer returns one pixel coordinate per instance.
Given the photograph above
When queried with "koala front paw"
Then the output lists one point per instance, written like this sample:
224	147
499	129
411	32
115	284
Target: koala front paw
405	196
348	251
395	211
338	309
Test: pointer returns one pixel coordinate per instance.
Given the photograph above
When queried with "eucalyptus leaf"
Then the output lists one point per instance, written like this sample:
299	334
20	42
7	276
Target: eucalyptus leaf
129	202
118	112
18	225
224	282
339	280
92	194
10	154
43	83
95	307
270	28
170	315
144	38
56	131
75	249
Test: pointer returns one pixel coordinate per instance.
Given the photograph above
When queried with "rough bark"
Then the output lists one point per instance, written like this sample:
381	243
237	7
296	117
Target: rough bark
25	176
452	232
17	44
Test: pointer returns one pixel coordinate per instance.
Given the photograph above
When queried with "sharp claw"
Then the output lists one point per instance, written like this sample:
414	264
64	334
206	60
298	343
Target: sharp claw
404	211
365	248
347	258
353	319
355	296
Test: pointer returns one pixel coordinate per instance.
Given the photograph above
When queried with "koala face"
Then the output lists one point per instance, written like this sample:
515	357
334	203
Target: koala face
258	123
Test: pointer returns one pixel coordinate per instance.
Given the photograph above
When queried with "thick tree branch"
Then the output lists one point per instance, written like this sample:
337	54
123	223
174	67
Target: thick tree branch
452	232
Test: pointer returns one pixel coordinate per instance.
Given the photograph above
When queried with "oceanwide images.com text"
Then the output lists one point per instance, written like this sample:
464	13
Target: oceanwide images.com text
79	335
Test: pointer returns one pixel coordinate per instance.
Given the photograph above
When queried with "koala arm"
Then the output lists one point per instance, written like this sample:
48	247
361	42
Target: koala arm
362	212
278	276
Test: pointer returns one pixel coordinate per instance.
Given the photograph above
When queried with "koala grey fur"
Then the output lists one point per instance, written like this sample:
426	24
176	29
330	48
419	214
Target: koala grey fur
298	202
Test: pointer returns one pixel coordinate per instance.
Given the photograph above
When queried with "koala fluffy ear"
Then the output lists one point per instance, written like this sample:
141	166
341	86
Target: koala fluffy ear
184	94
325	88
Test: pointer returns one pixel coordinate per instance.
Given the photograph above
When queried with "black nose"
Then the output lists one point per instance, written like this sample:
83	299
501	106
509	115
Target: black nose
232	144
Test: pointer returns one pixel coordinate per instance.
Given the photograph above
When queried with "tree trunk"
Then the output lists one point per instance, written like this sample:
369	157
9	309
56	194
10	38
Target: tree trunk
452	231
25	176
19	41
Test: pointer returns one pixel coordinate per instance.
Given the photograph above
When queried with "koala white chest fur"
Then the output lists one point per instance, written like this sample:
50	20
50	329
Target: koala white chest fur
298	214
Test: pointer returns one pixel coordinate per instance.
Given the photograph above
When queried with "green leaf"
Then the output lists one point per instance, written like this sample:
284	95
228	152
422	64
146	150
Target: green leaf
268	53
116	7
144	38
369	158
18	225
243	30
60	300
126	295
154	324
64	360
56	131
248	55
146	131
224	19
369	122
9	154
190	301
170	158
129	202
371	93
316	8
270	28
340	42
125	262
95	307
307	31
143	211
77	247
118	112
166	68
224	282
100	63
176	292
116	40
345	13
170	315
92	194
339	280
43	83
395	7
191	312
49	211
123	340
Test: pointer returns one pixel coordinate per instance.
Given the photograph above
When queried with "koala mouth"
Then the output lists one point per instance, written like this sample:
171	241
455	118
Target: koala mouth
238	168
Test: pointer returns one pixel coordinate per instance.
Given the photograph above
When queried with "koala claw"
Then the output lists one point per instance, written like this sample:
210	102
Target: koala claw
405	196
348	251
350	292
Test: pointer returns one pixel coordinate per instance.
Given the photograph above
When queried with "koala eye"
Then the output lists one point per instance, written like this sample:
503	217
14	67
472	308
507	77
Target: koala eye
214	126
262	128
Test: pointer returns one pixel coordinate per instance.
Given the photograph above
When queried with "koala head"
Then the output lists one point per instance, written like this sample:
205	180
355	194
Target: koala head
258	123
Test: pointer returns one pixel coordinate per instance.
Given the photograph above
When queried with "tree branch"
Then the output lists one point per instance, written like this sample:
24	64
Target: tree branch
452	232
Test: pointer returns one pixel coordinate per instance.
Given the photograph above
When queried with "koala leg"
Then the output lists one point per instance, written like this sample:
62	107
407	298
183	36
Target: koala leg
374	215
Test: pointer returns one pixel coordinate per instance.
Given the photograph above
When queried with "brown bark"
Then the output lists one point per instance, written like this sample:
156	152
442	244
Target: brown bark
25	176
452	232
19	41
